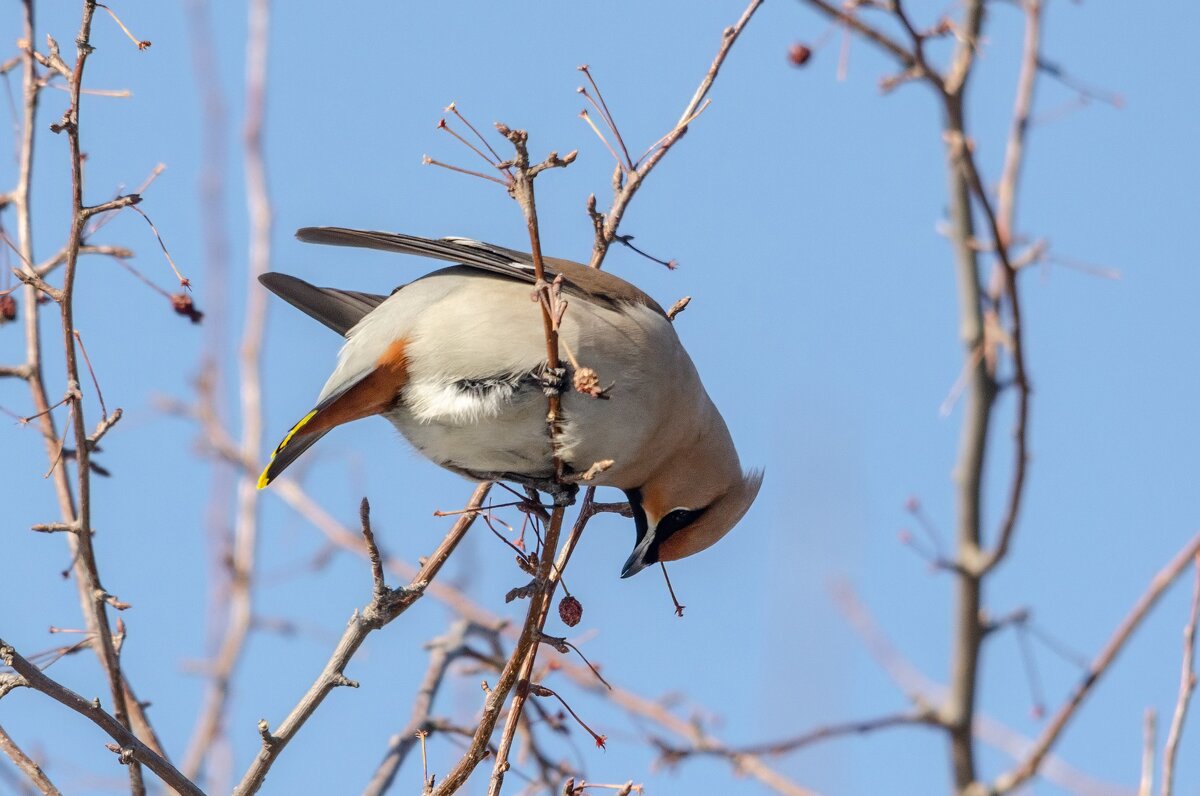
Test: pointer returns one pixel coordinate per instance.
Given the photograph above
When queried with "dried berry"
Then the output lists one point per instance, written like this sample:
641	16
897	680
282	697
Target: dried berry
570	611
8	308
798	54
182	303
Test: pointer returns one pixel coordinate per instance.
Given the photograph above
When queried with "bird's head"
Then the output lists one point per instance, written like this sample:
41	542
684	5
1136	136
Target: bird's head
686	510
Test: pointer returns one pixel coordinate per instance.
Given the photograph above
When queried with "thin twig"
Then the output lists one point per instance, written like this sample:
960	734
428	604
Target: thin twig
442	652
603	108
379	612
1028	767
522	191
508	678
130	748
606	230
1146	782
654	711
923	692
27	765
428	161
91	372
852	22
1005	278
918	718
528	642
1187	685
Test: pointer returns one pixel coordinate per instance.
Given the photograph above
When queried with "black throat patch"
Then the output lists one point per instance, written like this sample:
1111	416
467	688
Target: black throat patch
634	496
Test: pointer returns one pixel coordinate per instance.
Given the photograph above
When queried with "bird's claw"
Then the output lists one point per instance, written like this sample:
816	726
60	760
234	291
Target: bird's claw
553	381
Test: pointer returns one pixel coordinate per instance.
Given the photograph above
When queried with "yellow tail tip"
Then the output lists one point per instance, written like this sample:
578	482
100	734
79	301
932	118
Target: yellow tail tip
265	479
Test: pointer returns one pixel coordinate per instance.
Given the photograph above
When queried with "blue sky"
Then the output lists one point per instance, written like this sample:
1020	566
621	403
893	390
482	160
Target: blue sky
803	211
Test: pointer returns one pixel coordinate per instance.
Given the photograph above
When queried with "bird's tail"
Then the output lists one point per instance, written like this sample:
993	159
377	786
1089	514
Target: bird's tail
289	450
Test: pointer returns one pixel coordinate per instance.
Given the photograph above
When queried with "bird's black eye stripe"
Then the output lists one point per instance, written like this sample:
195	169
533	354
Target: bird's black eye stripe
674	521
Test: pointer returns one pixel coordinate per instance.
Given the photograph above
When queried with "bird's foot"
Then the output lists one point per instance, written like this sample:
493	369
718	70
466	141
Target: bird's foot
553	381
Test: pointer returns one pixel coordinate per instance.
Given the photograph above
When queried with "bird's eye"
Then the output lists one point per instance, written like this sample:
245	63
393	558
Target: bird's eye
675	520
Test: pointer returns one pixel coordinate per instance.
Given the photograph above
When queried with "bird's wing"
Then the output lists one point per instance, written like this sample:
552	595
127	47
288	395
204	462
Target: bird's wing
580	280
340	310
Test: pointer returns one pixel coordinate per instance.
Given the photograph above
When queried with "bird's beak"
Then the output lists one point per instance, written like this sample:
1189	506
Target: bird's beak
639	559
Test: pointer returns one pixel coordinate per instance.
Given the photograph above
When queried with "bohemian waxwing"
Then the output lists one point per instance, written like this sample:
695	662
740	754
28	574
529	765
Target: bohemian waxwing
456	360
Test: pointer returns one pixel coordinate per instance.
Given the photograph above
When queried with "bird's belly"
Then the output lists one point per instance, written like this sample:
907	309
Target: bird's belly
477	428
497	427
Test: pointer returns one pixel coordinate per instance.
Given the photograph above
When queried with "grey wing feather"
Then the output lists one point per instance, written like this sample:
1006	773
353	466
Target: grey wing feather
340	310
455	250
590	283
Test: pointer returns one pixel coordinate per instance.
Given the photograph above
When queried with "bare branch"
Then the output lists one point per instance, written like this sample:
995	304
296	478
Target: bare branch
1187	684
923	692
606	225
27	765
898	51
1146	783
529	641
514	669
442	652
1005	274
1058	722
379	612
128	200
92	594
695	734
132	749
23	371
1014	153
246	525
120	252
912	718
346	538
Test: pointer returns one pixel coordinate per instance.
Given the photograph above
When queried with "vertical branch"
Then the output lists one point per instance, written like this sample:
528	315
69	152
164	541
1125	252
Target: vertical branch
21	199
535	617
550	579
213	374
87	577
959	709
245	535
522	191
1146	782
87	580
1187	684
1014	152
519	666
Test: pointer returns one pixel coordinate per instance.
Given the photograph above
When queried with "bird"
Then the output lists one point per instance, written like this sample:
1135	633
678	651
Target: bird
456	360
